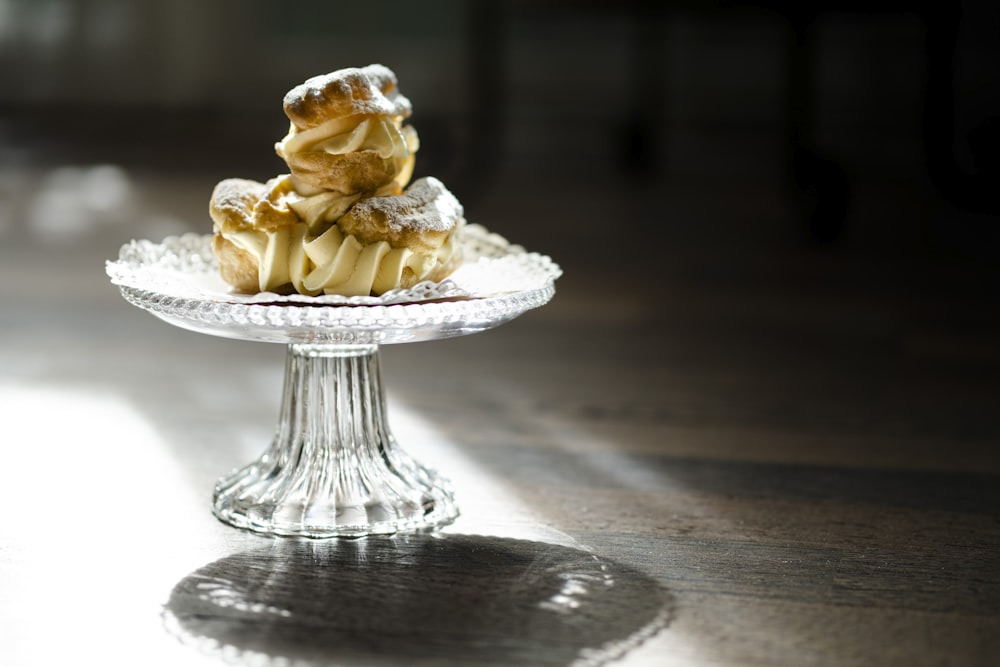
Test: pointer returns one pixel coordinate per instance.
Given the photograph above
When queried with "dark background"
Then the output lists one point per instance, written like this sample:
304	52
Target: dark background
638	142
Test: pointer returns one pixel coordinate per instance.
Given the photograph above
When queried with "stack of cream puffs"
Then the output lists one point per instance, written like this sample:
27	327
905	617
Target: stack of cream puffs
345	219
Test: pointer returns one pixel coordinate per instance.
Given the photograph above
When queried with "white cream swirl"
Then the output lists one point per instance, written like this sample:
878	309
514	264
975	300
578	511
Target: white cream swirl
334	263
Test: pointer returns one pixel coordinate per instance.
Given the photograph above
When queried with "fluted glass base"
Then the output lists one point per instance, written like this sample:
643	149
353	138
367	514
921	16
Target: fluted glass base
334	468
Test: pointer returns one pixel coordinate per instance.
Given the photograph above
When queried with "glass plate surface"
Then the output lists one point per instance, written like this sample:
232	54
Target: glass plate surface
178	281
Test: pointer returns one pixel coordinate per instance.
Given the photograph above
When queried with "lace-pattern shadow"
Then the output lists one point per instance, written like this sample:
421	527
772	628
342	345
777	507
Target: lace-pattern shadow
416	599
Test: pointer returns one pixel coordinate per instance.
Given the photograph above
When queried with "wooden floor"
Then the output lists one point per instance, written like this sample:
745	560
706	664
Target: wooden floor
709	449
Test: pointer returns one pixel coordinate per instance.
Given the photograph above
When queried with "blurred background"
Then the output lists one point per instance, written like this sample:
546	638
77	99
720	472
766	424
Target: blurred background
868	127
847	148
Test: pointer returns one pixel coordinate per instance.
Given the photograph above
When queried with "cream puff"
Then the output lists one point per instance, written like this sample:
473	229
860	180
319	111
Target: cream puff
347	133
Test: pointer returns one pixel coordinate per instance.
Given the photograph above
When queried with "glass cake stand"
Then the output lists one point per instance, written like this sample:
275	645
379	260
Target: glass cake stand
334	468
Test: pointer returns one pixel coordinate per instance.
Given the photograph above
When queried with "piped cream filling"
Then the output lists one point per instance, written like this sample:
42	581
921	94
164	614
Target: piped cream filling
383	134
321	210
332	263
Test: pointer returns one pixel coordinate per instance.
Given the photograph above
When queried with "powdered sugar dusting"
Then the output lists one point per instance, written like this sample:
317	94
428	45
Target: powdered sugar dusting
372	90
425	206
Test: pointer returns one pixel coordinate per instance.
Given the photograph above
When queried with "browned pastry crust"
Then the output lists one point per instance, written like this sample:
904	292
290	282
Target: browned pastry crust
437	274
347	92
272	211
236	266
419	219
238	204
348	173
232	203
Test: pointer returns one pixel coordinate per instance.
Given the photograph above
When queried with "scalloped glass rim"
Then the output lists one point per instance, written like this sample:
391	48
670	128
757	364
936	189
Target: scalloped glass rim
177	280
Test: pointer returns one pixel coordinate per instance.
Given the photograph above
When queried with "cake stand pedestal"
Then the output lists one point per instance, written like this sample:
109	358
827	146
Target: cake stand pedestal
334	468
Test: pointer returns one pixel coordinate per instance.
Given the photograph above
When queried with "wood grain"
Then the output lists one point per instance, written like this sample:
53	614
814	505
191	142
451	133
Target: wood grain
781	457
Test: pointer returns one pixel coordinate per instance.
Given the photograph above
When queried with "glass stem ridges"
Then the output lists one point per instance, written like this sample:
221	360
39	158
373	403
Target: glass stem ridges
334	468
